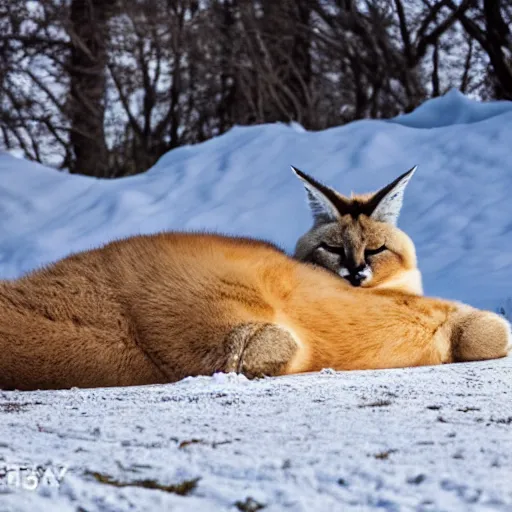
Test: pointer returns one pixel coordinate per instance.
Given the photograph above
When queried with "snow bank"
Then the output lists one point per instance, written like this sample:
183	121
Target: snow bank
452	108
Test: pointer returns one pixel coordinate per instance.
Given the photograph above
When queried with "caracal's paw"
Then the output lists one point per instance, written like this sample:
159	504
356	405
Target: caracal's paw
480	335
262	349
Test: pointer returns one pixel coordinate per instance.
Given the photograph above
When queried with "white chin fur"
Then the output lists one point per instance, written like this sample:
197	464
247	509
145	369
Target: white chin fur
367	273
343	272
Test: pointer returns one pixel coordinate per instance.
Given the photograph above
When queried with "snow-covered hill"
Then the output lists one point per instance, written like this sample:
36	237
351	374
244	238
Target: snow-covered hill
423	439
458	207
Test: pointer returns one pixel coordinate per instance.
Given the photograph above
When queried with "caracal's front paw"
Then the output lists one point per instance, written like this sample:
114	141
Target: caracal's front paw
479	335
264	349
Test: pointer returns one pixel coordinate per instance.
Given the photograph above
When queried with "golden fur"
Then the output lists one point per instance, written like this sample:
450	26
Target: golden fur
155	309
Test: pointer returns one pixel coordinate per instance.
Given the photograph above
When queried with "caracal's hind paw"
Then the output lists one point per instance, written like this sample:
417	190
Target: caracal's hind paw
480	335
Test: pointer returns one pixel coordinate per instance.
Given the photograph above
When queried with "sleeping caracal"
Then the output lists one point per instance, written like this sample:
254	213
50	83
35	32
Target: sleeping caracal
357	237
157	308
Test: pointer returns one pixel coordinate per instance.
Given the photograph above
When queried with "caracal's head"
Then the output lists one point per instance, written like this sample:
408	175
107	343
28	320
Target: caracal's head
357	237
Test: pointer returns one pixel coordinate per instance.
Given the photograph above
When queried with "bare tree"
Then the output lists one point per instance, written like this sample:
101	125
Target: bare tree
488	23
32	113
88	32
105	87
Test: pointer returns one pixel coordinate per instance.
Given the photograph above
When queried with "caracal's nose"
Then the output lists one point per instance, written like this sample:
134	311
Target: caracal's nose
357	275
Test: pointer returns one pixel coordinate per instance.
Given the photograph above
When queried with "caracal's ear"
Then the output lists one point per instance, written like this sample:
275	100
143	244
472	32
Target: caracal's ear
321	198
388	201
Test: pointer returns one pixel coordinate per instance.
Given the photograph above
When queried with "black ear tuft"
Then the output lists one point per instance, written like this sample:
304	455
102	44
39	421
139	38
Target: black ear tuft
386	204
322	200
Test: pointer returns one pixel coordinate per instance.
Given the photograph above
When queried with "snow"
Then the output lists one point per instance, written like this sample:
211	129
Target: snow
430	439
415	439
451	109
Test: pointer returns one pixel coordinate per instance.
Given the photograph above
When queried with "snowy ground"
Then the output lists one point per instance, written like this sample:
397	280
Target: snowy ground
429	439
417	439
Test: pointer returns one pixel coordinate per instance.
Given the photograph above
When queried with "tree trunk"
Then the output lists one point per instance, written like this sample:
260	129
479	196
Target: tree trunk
499	37
89	39
285	28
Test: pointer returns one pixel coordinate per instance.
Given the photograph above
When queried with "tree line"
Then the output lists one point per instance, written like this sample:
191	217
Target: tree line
105	87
